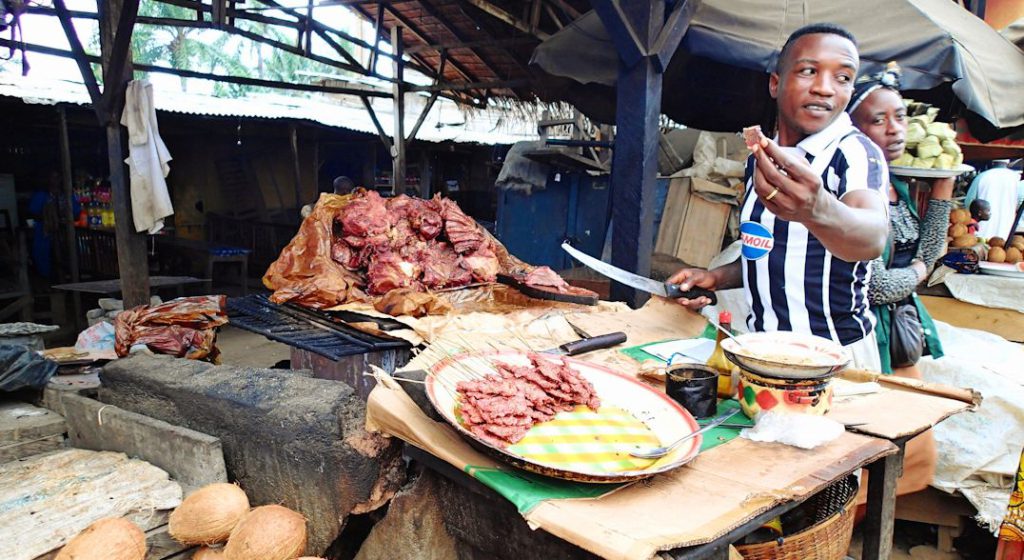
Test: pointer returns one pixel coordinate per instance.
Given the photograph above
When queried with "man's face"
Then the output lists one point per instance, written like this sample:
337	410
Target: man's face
814	85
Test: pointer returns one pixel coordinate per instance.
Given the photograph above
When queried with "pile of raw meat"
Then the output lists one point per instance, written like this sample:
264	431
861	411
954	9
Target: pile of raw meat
361	245
503	406
183	327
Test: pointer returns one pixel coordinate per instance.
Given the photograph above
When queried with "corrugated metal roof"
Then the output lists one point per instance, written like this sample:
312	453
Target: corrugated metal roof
445	123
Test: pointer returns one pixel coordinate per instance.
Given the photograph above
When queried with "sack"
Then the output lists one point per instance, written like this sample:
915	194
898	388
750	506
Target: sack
906	337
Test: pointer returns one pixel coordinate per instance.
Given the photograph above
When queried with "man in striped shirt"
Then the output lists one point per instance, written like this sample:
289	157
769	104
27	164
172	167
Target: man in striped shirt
815	210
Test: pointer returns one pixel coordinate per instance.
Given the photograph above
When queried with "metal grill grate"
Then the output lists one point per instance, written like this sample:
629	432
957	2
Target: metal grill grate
304	329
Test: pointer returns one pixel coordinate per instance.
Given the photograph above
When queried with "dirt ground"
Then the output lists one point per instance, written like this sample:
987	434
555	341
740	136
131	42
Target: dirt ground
242	348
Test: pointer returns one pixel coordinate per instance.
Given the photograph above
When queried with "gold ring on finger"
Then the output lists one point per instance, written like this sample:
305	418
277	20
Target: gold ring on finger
772	194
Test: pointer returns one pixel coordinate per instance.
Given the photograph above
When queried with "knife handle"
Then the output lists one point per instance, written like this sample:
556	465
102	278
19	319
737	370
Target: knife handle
593	343
674	292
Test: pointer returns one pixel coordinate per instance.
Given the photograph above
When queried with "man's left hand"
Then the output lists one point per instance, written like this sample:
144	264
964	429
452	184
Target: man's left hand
786	184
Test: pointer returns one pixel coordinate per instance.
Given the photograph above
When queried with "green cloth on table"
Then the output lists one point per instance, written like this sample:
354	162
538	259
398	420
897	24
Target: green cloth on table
525	489
638	353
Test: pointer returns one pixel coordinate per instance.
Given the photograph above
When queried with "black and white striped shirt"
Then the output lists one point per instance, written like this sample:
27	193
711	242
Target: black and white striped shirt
792	282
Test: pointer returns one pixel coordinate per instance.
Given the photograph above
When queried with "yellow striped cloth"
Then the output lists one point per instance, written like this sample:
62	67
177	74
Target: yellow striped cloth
587	441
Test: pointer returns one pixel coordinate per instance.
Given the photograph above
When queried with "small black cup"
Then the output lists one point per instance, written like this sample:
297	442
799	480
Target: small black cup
695	386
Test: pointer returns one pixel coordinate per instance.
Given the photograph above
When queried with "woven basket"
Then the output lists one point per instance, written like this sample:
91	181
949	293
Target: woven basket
828	539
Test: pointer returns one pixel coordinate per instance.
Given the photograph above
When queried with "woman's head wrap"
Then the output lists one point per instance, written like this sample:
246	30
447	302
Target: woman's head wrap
888	78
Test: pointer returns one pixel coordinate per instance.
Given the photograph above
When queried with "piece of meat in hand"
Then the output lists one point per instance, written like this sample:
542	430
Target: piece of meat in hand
752	136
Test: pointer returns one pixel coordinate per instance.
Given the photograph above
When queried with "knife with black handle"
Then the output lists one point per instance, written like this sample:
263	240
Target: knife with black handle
585	345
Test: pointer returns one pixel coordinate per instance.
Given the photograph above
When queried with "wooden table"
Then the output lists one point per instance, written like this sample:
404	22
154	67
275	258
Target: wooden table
882	458
733	488
111	288
206	252
943	306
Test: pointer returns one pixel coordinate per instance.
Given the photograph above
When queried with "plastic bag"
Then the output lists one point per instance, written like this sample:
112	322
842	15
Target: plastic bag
184	327
21	367
97	338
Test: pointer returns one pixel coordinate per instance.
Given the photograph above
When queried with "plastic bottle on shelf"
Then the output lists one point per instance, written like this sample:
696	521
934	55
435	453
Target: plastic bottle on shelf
728	373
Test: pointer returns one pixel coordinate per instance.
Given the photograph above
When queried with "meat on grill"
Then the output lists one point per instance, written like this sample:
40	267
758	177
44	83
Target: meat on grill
502	407
389	272
366	215
363	241
483	263
544	278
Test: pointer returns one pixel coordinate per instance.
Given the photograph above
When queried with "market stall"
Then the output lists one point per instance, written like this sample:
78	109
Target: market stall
730	490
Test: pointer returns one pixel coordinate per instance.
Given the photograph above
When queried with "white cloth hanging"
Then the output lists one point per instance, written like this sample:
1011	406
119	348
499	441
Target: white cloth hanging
147	159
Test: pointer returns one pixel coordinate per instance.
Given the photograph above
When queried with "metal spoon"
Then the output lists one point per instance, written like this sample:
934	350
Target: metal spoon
721	328
658	452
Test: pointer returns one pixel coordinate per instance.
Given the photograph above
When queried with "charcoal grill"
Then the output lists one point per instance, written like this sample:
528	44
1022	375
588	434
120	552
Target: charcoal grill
306	329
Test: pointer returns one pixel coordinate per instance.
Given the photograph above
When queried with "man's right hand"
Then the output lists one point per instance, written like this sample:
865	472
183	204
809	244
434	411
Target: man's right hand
689	278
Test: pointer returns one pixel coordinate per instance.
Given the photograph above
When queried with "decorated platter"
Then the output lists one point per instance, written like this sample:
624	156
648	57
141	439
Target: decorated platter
786	355
1002	269
579	444
929	173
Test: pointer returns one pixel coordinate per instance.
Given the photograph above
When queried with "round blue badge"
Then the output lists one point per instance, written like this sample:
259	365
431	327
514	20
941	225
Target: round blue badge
757	240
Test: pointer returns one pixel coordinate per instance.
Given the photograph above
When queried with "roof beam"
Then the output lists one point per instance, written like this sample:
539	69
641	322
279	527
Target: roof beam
430	102
205	76
497	84
78	54
573	13
119	64
511	41
434	13
405	22
376	123
508	18
408	24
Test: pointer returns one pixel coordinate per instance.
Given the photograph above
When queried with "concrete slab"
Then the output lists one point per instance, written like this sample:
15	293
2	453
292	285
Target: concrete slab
27	430
192	458
288	438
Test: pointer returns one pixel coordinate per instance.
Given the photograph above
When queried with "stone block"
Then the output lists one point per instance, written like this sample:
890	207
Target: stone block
27	430
193	459
287	438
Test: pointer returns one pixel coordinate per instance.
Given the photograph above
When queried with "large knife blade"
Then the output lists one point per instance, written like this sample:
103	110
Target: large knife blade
588	344
648	285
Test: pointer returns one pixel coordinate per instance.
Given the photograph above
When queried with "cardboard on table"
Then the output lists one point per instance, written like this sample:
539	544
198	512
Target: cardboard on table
698	503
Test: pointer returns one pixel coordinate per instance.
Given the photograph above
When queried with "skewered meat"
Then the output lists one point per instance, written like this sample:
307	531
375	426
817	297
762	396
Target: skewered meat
502	407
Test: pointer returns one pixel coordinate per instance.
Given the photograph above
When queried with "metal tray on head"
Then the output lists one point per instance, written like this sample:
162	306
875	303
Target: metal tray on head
919	172
651	414
786	355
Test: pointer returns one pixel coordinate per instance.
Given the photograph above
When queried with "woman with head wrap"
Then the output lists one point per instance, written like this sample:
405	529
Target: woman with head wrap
915	244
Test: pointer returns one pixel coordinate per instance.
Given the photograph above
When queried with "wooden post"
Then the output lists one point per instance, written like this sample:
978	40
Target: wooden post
881	505
398	140
68	195
426	172
293	134
132	261
69	217
645	37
